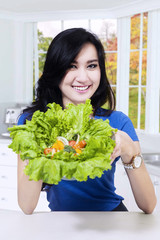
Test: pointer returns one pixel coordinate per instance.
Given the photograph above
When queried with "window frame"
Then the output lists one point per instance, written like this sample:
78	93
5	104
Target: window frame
36	52
152	114
153	74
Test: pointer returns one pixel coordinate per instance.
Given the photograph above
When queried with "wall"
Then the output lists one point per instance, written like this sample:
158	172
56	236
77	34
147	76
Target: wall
6	67
6	60
16	66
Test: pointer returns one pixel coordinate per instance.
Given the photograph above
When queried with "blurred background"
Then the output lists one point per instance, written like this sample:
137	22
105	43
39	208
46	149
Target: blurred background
130	33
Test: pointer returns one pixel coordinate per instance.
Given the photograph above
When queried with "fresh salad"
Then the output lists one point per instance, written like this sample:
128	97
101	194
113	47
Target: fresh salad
64	143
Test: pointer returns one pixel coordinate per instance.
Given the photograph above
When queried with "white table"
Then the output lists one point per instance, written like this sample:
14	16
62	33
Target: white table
79	226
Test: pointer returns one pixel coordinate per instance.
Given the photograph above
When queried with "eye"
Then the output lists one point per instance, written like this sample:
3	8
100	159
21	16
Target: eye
92	66
72	66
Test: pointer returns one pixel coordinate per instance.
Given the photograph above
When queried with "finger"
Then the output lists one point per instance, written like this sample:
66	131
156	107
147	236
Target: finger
26	162
113	136
116	153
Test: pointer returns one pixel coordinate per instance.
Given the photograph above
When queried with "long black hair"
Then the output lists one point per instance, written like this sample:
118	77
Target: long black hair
61	53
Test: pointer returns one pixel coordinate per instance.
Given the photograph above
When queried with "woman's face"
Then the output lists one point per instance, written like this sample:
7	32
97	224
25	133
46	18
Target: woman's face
82	78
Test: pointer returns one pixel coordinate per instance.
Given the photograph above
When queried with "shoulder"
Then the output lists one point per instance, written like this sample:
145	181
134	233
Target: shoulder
23	117
117	118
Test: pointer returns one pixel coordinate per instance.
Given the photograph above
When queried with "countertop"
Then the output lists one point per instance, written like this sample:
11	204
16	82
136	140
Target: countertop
153	169
4	139
79	225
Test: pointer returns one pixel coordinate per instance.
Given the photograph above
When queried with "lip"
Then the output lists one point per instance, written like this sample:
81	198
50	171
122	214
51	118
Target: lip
81	88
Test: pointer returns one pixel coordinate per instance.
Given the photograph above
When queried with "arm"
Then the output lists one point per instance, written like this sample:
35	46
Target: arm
140	181
28	191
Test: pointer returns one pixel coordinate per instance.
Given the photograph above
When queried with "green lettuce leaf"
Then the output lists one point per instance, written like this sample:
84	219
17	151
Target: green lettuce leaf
31	139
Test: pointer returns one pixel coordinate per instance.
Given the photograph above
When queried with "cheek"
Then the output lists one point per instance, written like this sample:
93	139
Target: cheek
96	78
67	79
64	82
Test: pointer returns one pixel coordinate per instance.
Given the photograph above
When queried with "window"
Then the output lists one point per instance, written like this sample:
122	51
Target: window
107	32
138	70
46	32
132	61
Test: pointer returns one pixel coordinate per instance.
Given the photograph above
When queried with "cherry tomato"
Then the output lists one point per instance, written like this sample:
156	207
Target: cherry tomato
72	143
47	150
80	144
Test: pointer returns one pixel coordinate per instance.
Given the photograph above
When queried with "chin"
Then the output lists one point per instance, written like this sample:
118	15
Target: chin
82	100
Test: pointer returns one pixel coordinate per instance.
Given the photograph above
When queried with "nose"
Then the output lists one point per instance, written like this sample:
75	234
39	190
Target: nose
82	75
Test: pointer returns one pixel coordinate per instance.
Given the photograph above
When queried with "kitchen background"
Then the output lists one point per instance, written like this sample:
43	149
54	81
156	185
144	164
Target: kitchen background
21	23
130	32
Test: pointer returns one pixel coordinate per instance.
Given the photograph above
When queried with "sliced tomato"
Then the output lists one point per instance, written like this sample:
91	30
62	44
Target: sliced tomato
53	152
72	143
47	150
80	144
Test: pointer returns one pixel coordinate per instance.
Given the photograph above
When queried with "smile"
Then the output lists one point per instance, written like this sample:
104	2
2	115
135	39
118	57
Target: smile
81	88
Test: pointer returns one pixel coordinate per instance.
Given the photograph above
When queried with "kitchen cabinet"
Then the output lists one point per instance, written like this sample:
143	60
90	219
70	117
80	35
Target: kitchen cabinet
8	180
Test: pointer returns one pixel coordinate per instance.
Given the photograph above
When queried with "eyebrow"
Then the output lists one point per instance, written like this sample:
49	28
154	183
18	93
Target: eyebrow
89	61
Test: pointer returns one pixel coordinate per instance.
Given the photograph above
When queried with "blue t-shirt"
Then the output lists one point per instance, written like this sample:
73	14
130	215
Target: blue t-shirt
95	194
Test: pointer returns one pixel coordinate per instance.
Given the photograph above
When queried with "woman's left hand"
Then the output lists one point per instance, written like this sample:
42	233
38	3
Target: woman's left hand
125	147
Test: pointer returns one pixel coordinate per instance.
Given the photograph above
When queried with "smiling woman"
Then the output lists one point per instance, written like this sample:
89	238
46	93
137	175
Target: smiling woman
105	29
82	78
81	63
74	73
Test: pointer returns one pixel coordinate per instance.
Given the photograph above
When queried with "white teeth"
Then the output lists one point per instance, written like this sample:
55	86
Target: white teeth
81	88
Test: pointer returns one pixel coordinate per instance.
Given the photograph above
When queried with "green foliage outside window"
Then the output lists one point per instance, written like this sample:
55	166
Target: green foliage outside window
135	68
110	46
43	44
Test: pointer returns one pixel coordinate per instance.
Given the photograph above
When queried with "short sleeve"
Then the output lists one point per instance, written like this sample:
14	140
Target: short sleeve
121	121
22	118
127	126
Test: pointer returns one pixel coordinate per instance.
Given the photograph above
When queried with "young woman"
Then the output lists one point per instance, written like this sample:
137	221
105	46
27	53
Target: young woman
73	72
